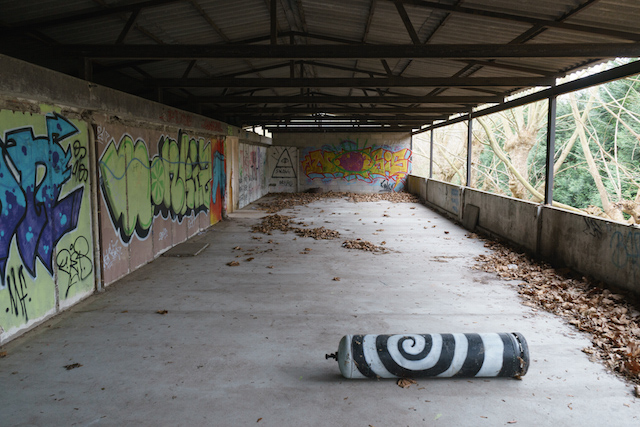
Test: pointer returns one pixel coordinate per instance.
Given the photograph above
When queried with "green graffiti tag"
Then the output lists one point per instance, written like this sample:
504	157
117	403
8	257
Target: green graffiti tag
174	183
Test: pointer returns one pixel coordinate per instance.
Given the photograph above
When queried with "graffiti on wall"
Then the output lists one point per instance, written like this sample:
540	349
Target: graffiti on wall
43	173
252	174
174	183
219	181
348	162
282	173
626	249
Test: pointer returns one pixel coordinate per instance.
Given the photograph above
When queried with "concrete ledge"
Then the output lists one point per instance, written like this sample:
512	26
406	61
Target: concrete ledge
446	196
605	250
511	219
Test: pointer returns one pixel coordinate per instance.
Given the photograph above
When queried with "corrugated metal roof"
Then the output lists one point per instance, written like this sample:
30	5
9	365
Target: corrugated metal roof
32	29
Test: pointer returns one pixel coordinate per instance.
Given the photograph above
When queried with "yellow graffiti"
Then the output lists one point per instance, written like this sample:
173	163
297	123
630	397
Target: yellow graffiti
367	163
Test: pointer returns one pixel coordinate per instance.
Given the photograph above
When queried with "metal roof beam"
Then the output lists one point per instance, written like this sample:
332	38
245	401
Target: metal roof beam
407	22
340	110
358	82
451	51
82	16
617	73
346	99
281	118
625	35
346	129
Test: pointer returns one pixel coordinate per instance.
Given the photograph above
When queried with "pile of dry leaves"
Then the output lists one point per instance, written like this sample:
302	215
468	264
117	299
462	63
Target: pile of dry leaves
283	223
319	233
273	222
610	318
363	245
280	201
376	197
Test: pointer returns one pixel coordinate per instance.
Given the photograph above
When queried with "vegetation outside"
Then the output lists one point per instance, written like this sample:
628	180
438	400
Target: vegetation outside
596	160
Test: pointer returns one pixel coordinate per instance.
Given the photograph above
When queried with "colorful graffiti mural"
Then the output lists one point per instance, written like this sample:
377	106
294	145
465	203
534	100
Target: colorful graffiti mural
176	182
218	193
385	165
157	190
45	215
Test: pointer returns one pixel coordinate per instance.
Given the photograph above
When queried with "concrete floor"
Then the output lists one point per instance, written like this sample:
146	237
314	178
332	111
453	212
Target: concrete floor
245	345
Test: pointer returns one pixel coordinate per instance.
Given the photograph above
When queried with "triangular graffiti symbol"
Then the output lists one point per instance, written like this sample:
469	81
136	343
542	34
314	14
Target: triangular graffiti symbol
284	167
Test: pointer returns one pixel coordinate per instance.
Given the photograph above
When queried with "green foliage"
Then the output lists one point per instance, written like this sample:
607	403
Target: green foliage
613	131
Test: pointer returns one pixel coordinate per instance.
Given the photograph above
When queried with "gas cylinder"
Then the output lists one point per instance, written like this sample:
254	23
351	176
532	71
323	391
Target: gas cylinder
433	355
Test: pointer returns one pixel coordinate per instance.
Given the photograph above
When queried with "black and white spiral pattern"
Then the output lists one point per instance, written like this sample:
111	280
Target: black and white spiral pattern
434	355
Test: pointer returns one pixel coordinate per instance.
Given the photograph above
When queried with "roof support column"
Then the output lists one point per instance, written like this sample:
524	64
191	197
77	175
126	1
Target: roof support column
431	156
469	148
551	143
86	69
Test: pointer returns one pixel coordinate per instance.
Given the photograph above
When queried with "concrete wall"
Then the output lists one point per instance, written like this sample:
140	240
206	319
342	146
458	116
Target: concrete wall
606	250
445	196
95	183
603	249
282	169
252	173
157	189
361	163
511	219
47	260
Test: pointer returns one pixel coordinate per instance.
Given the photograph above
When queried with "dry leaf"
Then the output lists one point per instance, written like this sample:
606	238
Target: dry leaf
336	279
269	266
249	259
3	354
233	264
406	382
363	245
237	248
162	311
610	318
72	366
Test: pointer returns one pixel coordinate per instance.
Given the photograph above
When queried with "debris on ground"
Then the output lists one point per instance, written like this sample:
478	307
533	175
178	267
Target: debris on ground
72	366
233	264
273	222
376	197
319	233
611	319
280	201
406	382
162	311
363	245
336	279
